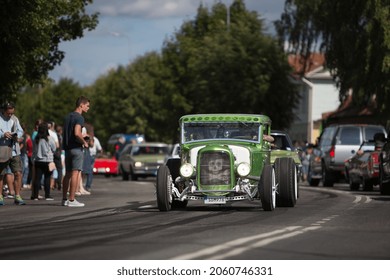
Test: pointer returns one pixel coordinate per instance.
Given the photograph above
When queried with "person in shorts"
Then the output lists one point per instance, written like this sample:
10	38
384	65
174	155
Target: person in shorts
73	145
10	132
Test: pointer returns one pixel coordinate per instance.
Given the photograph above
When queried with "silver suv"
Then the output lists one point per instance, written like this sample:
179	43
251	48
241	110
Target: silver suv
339	142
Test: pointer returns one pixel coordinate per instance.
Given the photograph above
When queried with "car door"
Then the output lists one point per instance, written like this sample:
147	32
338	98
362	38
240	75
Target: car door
348	141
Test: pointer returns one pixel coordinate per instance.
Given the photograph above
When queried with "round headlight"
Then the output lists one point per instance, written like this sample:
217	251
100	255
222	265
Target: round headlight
186	170
138	164
243	169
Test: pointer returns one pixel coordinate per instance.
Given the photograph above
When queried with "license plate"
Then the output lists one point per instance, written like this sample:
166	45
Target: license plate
101	169
215	200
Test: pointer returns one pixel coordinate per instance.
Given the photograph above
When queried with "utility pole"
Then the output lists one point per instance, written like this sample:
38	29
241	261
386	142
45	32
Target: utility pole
228	17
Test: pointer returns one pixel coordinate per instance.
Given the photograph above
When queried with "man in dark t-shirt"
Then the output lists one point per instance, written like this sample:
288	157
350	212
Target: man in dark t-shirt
73	144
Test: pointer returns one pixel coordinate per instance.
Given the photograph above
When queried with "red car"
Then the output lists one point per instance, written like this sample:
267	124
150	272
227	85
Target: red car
106	165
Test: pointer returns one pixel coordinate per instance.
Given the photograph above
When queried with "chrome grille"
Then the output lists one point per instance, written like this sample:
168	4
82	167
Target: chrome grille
214	168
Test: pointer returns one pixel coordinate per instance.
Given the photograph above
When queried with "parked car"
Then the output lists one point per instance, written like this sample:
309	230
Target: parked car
339	142
118	141
105	164
384	168
226	158
142	159
363	167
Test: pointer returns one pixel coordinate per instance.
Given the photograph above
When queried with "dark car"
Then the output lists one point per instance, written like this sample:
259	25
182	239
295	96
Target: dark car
384	168
363	167
142	159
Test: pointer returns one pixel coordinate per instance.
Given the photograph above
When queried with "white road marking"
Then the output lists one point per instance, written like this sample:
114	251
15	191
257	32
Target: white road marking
146	206
357	199
261	243
243	244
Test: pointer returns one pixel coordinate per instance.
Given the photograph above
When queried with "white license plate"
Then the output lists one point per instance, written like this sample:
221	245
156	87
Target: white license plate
101	169
215	200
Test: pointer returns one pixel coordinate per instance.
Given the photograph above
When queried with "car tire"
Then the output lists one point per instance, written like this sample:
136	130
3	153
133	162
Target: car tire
164	189
125	175
353	186
328	178
133	176
384	188
312	182
368	185
286	180
267	189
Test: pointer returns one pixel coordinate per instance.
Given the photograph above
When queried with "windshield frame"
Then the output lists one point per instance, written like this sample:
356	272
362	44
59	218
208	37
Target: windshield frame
209	131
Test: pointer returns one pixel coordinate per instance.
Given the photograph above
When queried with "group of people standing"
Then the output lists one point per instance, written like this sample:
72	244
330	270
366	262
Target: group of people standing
47	146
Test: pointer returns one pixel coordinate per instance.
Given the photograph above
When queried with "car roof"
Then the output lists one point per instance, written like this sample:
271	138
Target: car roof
225	118
148	144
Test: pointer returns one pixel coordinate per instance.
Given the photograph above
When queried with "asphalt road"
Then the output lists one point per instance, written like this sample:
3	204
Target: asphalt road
121	221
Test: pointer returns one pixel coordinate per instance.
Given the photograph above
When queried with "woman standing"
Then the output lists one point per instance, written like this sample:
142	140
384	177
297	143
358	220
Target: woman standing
44	147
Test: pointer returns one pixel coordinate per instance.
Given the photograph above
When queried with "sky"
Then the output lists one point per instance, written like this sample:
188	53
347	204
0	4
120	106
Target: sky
131	28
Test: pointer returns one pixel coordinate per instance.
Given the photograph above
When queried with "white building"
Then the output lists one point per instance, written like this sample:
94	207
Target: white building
319	95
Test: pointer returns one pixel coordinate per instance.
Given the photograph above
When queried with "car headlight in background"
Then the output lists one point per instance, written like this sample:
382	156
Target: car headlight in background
186	170
138	164
243	169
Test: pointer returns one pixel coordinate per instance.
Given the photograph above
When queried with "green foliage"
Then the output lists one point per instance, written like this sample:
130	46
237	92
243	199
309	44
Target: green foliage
50	103
355	37
128	100
219	68
30	32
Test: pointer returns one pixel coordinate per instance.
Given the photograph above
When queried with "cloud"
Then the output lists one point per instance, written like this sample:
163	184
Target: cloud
145	8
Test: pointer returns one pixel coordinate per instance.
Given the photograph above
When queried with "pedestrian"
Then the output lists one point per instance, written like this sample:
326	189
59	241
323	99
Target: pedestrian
87	172
29	148
57	153
94	149
43	150
73	144
10	132
58	159
24	150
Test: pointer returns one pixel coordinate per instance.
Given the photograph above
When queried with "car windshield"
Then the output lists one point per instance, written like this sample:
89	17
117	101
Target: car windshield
200	131
149	150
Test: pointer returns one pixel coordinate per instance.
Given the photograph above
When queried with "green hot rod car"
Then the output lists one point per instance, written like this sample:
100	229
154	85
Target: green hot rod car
226	158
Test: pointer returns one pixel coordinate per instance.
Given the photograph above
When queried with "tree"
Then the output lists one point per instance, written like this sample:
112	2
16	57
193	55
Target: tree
353	35
235	68
129	98
30	32
51	102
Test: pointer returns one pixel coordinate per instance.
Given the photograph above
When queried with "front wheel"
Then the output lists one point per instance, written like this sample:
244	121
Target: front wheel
267	188
164	189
